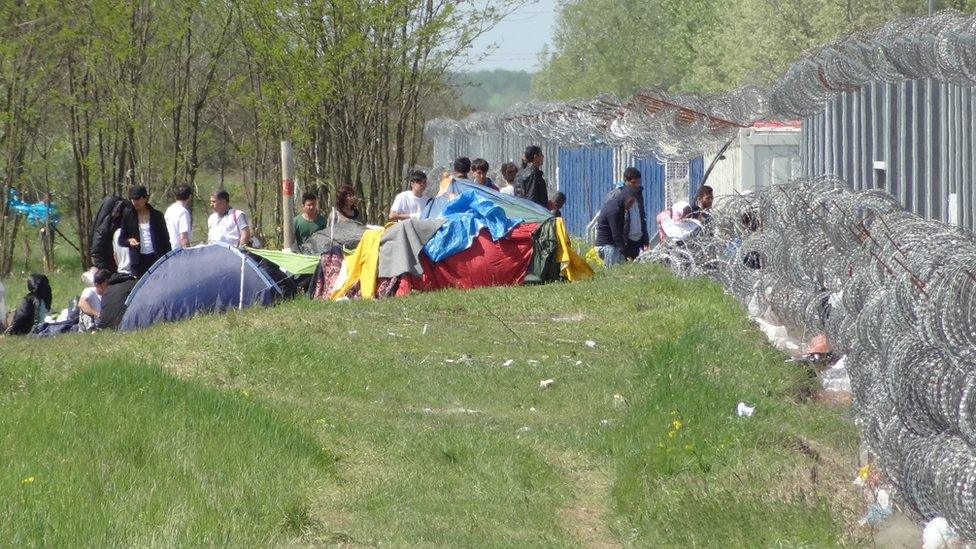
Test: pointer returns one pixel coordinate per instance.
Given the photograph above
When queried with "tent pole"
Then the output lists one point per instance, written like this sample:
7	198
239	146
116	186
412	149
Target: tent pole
287	194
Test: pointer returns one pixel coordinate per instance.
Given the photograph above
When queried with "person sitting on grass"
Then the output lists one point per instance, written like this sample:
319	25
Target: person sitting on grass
90	303
33	308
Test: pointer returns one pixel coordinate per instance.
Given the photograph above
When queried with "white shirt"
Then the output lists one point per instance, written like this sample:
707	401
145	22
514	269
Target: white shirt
508	189
177	223
145	239
226	228
407	203
635	232
94	300
121	253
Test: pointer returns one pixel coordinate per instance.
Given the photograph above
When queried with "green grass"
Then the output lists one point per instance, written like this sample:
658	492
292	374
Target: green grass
397	422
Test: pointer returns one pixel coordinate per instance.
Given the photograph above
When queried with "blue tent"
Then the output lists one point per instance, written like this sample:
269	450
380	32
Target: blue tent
514	207
203	279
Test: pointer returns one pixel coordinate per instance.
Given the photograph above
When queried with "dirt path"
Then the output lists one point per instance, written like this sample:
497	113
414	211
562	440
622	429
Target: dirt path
585	516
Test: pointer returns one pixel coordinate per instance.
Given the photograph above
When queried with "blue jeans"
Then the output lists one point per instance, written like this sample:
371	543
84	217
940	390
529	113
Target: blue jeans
610	255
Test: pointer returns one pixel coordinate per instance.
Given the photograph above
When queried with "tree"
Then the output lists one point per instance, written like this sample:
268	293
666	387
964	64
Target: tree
697	45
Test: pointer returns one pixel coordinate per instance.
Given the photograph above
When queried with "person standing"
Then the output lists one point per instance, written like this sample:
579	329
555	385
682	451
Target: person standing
530	182
612	225
179	224
479	173
226	224
345	204
144	231
310	220
411	204
637	236
509	171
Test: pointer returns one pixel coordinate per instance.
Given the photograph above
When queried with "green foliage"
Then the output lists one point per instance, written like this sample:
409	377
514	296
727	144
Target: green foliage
397	422
96	95
704	46
492	90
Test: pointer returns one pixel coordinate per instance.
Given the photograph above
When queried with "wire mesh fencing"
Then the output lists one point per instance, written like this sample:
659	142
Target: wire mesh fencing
894	292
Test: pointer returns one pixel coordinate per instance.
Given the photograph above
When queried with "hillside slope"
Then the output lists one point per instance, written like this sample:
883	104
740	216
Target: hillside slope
421	420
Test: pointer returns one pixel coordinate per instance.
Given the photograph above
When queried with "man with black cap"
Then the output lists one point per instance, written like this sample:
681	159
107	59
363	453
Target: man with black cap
144	231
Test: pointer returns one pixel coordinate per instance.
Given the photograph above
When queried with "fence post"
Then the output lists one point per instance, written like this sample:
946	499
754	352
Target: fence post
287	196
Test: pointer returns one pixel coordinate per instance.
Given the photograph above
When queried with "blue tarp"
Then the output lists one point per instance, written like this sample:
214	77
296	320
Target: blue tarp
38	214
466	216
202	279
515	207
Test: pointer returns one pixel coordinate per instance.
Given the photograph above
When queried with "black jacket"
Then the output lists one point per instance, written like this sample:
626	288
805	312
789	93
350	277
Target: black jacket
157	227
28	313
103	227
612	223
530	184
113	301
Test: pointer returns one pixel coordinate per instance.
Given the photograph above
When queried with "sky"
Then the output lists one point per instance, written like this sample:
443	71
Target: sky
519	37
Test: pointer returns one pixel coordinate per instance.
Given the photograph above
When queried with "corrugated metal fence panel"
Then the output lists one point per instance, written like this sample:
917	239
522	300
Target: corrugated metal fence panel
585	176
696	169
916	140
652	178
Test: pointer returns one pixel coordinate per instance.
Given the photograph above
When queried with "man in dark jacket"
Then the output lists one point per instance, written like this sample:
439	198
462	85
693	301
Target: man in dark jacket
637	235
144	231
529	182
103	226
612	225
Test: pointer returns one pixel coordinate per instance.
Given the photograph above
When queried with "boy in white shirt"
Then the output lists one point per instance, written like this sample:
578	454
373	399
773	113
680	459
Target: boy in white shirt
90	303
178	221
411	204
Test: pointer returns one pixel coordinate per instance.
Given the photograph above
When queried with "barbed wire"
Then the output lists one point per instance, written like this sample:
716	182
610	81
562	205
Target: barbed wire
894	292
676	127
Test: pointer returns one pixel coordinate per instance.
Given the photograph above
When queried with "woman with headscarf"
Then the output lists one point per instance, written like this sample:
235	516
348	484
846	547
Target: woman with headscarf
33	308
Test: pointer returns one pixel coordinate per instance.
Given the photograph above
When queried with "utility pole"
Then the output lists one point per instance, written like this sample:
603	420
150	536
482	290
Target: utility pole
931	7
287	196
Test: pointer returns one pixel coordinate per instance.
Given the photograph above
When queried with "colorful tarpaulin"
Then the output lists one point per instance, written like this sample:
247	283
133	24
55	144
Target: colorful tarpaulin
466	216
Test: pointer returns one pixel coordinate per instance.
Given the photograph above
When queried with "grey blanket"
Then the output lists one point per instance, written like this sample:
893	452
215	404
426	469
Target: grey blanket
346	234
401	244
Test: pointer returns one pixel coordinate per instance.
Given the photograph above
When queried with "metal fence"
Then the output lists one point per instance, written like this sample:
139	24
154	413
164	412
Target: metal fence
584	173
913	139
892	291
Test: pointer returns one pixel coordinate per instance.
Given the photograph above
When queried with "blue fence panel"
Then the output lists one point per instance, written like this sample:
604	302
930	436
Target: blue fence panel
585	177
696	170
652	178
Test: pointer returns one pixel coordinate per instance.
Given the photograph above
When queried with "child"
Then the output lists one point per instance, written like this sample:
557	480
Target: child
90	303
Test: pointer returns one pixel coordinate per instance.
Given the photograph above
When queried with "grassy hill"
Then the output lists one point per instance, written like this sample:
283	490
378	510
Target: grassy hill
421	420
